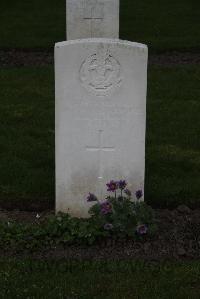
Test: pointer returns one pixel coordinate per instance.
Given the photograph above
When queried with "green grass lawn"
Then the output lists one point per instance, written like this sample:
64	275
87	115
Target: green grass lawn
27	133
163	25
99	280
173	130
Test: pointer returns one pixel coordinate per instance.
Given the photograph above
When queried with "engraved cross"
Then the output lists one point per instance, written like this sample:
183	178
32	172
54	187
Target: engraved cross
93	13
100	149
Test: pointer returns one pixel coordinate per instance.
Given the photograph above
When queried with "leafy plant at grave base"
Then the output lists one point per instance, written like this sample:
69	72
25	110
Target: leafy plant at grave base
57	230
117	217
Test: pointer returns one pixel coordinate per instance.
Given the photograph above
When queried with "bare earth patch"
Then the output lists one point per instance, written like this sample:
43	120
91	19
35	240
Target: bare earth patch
19	57
178	237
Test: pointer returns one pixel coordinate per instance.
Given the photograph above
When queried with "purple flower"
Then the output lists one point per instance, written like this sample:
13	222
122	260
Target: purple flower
108	226
142	229
122	184
106	207
127	192
112	186
91	197
138	194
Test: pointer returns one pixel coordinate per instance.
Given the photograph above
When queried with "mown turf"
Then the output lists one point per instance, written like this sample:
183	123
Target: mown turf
27	133
173	130
99	280
163	25
32	23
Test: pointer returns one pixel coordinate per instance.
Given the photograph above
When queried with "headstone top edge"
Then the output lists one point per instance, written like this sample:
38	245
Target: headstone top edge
101	40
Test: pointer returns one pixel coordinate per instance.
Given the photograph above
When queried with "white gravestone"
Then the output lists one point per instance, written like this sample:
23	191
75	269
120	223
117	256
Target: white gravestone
100	118
92	18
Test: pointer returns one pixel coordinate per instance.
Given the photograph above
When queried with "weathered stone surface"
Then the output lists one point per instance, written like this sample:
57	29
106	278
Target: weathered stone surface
92	18
100	118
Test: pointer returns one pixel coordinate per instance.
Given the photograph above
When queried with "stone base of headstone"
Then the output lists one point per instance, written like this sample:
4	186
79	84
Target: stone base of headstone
100	118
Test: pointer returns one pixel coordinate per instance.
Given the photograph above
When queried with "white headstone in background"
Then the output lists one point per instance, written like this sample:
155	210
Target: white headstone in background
100	118
92	18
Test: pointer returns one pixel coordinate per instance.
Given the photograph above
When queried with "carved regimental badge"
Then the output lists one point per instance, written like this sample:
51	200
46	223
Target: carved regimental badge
100	73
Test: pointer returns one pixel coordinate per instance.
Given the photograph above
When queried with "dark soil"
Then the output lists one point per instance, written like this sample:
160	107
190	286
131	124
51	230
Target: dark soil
29	205
16	58
178	238
174	58
20	57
